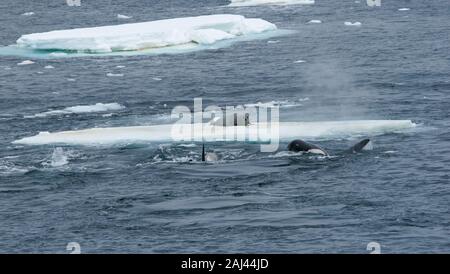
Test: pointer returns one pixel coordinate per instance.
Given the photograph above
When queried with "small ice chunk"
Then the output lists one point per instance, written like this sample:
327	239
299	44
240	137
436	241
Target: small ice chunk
121	16
71	79
273	41
28	13
114	74
156	78
300	61
120	66
403	9
315	21
49	67
26	62
58	54
355	24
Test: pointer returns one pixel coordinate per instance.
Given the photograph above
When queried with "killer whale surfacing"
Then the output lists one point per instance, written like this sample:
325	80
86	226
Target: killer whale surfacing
302	146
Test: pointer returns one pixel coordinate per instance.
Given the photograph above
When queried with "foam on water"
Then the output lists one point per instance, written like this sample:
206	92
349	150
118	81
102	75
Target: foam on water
258	132
59	158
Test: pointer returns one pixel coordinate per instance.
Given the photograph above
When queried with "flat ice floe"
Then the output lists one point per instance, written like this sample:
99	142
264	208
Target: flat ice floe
355	24
243	3
179	34
163	133
99	107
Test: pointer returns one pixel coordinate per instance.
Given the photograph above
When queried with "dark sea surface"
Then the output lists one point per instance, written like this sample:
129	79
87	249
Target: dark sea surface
158	197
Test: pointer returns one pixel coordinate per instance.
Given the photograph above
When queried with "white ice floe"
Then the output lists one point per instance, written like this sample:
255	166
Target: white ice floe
49	67
355	24
300	61
155	34
26	62
28	13
114	74
404	9
120	66
121	16
99	107
243	3
314	21
156	78
260	131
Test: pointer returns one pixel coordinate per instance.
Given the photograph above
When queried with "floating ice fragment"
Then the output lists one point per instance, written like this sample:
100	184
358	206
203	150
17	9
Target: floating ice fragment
148	35
26	62
355	24
243	3
121	16
114	74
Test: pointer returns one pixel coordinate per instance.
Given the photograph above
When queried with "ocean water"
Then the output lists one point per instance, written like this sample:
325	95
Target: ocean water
158	197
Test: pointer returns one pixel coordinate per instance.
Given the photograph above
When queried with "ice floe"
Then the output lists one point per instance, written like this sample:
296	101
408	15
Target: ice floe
99	107
114	74
355	24
121	16
26	62
314	21
243	3
28	13
206	29
161	133
403	9
49	67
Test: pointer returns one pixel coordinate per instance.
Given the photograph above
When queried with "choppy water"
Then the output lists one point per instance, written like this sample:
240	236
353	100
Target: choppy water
159	198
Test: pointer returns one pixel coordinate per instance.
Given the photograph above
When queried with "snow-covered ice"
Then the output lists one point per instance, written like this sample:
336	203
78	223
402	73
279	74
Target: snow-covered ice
99	107
241	3
206	29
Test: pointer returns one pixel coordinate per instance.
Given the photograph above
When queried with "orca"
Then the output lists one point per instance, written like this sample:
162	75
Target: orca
208	156
302	146
364	144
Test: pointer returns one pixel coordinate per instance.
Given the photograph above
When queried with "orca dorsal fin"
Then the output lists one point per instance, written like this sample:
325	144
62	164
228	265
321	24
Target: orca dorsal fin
203	153
360	146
